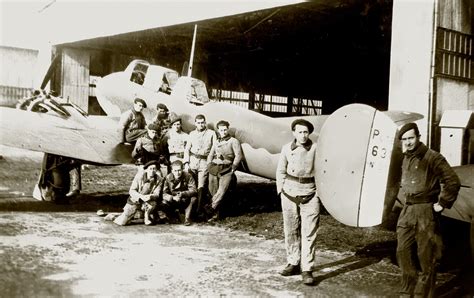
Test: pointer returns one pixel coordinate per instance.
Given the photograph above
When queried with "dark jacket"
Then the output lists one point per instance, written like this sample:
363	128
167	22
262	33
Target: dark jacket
423	172
184	185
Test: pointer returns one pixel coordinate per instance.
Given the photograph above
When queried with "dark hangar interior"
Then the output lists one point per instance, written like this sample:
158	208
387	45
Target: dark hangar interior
334	51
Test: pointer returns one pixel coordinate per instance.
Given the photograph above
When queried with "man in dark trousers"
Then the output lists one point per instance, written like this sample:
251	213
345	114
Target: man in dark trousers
179	191
428	185
299	201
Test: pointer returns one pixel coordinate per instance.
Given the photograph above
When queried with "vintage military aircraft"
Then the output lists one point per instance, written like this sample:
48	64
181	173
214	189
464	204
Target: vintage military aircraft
358	154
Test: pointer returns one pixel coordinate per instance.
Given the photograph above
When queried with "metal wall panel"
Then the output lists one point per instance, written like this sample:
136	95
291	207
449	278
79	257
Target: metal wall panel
75	77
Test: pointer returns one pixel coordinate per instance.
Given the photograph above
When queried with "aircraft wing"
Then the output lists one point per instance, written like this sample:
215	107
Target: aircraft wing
79	137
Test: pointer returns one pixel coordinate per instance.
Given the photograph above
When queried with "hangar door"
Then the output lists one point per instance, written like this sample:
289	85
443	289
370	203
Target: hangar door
75	77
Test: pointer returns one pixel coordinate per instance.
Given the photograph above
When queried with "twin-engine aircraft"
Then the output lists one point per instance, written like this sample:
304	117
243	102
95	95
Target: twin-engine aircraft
358	157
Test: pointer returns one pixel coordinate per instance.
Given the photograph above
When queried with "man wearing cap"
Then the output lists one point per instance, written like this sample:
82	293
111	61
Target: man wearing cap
163	118
145	192
179	191
295	181
428	185
176	139
150	147
195	156
132	122
222	161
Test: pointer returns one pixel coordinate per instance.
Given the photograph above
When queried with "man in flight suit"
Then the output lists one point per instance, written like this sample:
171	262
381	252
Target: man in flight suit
428	185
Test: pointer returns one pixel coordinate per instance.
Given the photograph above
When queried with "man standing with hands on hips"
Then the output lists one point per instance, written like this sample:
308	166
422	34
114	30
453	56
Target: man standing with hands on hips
300	203
428	185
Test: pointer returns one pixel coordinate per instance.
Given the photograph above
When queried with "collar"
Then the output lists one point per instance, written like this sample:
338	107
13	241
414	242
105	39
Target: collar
306	145
419	151
151	179
224	139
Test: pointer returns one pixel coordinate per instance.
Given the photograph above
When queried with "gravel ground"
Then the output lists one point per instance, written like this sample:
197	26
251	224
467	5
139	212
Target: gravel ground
67	250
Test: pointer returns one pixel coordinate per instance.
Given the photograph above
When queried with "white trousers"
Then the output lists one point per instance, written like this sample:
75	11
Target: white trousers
301	224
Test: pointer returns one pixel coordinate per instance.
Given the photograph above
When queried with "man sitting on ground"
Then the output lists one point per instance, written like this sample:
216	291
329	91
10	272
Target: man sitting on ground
144	193
179	191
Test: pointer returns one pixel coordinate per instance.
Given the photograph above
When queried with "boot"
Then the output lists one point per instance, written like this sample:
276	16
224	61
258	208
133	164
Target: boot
127	215
75	176
148	214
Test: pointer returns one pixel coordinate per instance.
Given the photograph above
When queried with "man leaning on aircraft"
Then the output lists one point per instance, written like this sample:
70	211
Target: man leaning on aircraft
223	160
423	172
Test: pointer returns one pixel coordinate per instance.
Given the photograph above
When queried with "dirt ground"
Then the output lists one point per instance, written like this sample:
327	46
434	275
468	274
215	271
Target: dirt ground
67	250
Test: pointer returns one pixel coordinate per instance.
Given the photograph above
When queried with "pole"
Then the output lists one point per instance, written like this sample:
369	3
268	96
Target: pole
190	69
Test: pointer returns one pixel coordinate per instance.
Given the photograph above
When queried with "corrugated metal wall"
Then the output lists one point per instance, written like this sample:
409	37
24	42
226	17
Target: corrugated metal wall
17	74
75	77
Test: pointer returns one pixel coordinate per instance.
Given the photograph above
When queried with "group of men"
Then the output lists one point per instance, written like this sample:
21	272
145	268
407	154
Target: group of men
177	170
428	185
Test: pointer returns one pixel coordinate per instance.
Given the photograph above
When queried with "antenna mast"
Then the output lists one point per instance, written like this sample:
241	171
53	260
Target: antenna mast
190	69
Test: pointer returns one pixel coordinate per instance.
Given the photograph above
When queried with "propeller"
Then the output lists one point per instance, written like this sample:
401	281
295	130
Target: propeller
49	73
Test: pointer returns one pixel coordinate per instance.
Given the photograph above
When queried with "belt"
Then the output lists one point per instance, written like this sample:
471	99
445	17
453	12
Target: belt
412	199
303	180
299	199
199	156
178	154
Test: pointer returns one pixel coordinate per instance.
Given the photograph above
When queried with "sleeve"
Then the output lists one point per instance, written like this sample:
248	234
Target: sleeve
191	191
449	180
211	153
167	196
281	170
187	149
137	149
157	192
134	188
124	122
238	154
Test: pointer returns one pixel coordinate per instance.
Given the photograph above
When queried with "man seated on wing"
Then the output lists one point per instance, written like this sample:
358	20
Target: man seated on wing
150	147
132	122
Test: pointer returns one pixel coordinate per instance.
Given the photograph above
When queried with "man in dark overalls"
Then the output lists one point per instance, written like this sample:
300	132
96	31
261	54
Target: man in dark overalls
423	173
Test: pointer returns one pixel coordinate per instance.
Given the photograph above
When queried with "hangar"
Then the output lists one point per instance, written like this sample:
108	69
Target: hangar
332	51
305	58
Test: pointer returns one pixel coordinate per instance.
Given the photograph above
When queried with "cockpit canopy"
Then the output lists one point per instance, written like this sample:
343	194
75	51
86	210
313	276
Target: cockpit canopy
153	77
192	89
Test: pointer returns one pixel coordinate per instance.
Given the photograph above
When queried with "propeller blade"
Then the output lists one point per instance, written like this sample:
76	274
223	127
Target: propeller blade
50	71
